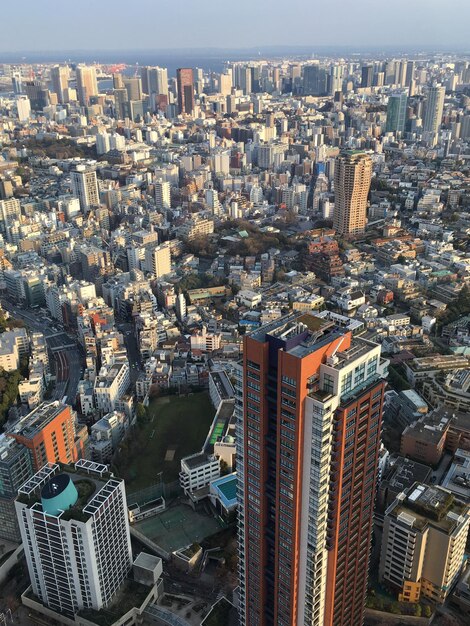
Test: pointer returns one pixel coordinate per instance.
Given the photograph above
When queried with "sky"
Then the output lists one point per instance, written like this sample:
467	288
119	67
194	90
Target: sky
48	25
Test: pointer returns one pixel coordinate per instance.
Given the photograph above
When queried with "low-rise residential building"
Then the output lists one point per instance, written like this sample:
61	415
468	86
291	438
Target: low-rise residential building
105	435
110	385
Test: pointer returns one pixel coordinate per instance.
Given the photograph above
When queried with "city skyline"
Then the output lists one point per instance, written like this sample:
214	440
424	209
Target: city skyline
199	26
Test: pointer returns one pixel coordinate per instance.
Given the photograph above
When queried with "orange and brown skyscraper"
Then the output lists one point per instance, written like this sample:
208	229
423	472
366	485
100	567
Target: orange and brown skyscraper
185	81
353	173
307	449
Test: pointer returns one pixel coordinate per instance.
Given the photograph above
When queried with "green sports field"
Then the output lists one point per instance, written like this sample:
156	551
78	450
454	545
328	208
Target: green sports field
176	427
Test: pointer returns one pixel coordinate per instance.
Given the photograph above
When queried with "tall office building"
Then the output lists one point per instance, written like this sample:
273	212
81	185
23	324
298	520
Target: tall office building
367	75
410	72
336	79
38	95
85	187
225	83
60	81
121	103
75	531
133	85
155	85
433	109
162	195
87	85
396	113
315	81
307	470
185	81
353	174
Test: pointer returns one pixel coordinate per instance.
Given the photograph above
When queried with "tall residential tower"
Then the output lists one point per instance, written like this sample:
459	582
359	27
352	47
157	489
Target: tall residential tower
307	469
353	174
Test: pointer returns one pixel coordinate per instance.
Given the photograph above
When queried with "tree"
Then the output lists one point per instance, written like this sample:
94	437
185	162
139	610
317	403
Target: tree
141	413
417	610
395	608
427	611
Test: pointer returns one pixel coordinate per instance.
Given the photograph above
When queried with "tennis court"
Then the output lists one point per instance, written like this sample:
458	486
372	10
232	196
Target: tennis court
217	432
177	527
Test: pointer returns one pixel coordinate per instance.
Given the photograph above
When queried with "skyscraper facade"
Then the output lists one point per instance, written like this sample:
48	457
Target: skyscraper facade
433	109
85	187
60	81
307	469
75	532
396	113
87	85
315	81
367	75
162	195
155	84
353	174
185	81
37	93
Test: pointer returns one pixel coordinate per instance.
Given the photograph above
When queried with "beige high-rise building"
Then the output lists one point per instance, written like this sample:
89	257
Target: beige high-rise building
423	543
87	85
158	260
60	82
353	173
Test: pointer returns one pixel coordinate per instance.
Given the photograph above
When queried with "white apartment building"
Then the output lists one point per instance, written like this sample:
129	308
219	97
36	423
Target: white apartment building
85	187
13	345
75	531
105	436
111	384
204	341
162	195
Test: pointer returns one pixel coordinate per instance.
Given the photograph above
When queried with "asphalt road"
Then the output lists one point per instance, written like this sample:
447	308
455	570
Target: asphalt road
133	353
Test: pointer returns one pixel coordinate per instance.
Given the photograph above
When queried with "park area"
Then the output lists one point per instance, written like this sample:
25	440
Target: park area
173	427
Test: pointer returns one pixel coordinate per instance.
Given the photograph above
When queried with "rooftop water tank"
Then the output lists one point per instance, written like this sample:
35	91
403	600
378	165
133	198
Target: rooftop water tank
58	494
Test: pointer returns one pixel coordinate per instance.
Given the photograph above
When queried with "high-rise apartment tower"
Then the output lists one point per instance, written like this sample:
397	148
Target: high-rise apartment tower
307	467
353	174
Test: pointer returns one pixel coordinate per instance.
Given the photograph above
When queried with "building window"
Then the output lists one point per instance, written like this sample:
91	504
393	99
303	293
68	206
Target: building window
346	383
328	383
289	381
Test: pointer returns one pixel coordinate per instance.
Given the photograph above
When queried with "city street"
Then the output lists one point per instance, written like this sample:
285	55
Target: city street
133	354
64	353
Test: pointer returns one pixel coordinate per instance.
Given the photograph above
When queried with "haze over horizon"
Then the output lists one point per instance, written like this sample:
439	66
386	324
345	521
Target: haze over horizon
183	25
